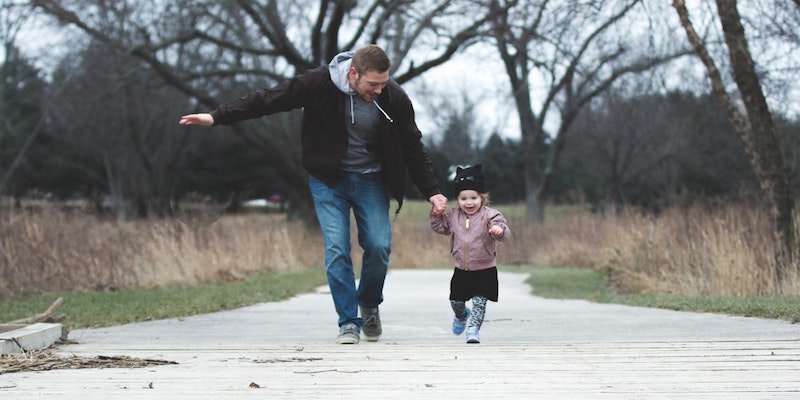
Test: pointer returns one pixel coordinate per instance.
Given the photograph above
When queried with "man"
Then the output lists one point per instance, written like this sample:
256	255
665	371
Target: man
359	138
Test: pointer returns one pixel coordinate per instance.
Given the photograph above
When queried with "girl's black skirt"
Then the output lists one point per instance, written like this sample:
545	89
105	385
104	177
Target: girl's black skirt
467	284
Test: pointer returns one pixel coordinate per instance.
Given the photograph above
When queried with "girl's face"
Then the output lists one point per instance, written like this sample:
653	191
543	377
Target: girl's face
469	201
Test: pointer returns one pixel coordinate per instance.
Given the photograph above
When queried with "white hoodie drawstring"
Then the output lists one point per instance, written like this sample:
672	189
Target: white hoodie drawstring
353	113
384	112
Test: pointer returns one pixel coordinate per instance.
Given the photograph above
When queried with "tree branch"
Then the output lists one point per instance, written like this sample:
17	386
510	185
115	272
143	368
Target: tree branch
738	120
44	316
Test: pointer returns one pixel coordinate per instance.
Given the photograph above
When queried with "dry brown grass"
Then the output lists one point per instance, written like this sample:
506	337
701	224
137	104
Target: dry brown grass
52	250
720	250
724	250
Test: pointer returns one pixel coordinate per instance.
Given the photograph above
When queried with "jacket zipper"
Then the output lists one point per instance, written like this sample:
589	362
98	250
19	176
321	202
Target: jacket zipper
466	247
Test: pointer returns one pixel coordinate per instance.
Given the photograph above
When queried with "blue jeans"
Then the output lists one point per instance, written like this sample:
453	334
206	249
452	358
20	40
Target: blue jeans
366	194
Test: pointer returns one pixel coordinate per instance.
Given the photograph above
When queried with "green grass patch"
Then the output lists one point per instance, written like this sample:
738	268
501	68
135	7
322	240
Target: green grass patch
566	283
98	309
586	284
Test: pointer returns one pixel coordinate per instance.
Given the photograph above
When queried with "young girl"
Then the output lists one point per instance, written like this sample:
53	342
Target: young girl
474	230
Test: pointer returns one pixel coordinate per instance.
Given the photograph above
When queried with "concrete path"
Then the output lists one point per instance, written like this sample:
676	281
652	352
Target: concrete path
531	348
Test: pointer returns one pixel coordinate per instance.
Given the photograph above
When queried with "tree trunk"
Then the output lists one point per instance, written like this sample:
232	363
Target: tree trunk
768	161
532	163
756	130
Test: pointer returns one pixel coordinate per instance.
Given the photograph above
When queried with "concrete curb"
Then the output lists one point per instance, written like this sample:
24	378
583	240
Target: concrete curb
16	338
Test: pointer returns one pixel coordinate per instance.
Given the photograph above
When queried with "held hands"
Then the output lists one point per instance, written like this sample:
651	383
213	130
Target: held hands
202	119
439	204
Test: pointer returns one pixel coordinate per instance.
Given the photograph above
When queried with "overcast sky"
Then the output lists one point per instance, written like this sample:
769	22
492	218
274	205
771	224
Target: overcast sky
477	75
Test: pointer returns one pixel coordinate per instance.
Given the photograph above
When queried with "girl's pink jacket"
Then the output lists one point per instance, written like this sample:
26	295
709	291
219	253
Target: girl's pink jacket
470	243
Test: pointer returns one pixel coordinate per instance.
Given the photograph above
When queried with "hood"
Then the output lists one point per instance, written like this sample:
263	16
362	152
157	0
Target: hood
338	68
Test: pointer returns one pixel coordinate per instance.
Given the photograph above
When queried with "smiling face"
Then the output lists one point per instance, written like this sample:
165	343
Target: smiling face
369	84
469	201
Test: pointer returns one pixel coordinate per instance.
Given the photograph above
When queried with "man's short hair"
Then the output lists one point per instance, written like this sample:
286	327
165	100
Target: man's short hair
370	58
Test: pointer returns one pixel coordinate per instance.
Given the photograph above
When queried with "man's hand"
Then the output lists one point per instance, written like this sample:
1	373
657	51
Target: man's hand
202	119
439	204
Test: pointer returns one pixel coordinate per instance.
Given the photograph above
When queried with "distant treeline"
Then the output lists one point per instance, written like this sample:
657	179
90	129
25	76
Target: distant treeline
114	138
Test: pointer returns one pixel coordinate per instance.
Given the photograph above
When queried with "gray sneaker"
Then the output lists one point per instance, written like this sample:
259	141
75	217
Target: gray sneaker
372	323
473	336
348	334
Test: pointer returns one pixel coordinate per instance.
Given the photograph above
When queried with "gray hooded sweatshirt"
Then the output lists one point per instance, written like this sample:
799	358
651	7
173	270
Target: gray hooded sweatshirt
363	121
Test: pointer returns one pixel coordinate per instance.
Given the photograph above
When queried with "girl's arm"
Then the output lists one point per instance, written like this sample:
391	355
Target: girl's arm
440	223
498	227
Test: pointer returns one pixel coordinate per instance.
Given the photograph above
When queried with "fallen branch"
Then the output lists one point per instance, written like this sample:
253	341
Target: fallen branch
47	315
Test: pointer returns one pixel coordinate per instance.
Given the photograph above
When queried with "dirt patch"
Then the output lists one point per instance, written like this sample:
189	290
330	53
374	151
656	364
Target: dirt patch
48	359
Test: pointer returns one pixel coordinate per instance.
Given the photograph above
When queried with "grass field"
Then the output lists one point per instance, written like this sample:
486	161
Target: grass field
111	272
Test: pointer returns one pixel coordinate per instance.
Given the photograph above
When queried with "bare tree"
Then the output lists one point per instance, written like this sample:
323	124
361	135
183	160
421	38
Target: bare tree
458	131
773	35
753	125
121	125
15	73
575	53
207	48
628	138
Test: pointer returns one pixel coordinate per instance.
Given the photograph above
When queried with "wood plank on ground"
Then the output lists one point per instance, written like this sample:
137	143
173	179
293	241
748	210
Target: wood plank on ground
618	370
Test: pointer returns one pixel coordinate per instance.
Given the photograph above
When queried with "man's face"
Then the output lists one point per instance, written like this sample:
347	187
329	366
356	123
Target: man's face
369	84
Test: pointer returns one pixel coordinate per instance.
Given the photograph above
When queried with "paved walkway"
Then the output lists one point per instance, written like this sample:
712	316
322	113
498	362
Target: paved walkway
531	348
